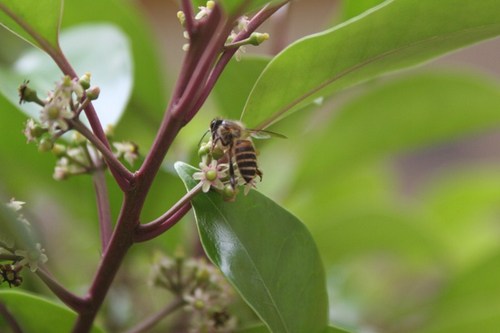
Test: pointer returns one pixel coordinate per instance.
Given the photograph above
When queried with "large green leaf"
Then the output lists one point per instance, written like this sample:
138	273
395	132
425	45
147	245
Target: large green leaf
101	49
36	314
41	18
232	6
267	254
471	302
399	34
263	329
352	8
405	114
149	96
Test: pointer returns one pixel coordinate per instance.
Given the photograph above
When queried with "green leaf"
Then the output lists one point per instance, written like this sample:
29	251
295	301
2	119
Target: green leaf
35	21
399	34
231	6
408	113
352	8
463	208
36	314
332	329
101	49
235	84
470	303
150	92
267	254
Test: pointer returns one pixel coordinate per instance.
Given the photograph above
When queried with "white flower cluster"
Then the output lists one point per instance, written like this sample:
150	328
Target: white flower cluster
32	256
205	292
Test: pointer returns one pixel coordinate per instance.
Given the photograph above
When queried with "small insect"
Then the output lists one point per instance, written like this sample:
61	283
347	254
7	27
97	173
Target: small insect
236	142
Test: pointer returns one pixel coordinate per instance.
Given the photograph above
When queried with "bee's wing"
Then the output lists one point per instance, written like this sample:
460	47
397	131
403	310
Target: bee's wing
262	134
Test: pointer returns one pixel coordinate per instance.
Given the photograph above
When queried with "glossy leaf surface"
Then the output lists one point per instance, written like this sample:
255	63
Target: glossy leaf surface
267	254
417	110
41	18
399	34
232	6
36	314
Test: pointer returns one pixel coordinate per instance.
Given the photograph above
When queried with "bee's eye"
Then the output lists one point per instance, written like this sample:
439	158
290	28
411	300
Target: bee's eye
215	124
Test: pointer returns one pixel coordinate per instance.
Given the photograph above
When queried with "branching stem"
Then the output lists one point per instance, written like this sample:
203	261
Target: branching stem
151	321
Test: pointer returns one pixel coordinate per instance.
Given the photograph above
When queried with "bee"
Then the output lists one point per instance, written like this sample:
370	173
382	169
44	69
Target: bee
236	142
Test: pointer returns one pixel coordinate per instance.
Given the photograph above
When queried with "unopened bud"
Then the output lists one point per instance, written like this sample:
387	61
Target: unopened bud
228	192
258	38
59	150
85	80
93	93
210	4
181	17
26	94
45	145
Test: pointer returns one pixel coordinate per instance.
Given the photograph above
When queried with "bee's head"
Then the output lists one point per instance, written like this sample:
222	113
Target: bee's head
214	125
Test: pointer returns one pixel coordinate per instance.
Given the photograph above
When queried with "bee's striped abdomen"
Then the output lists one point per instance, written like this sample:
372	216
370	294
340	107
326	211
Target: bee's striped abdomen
246	159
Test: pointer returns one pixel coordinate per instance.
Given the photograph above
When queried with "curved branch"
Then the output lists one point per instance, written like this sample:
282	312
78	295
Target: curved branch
71	300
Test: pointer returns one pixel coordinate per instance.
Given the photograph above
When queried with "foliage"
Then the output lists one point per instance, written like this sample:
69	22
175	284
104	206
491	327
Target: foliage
353	224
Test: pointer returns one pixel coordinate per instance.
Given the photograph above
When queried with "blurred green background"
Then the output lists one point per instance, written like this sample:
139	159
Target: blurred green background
398	178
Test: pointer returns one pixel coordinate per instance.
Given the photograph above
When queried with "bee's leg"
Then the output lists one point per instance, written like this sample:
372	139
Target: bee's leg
259	173
232	177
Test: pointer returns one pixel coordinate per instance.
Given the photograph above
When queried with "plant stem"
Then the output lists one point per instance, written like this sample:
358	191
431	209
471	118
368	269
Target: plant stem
254	23
71	300
151	321
191	24
9	318
143	231
110	158
143	235
103	206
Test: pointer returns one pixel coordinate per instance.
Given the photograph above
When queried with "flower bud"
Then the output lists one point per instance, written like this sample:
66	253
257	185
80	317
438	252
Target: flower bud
204	150
217	153
45	145
258	38
93	93
181	17
26	94
59	150
85	80
228	193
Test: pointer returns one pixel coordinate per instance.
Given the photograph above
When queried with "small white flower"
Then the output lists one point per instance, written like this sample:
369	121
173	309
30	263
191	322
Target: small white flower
127	150
211	175
199	300
30	130
32	257
205	10
15	205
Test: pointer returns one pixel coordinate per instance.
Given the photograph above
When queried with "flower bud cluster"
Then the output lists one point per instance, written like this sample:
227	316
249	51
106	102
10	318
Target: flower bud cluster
206	294
62	104
241	25
60	111
14	257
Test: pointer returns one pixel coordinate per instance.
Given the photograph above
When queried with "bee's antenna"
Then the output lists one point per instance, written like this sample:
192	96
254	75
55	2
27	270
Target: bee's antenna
203	137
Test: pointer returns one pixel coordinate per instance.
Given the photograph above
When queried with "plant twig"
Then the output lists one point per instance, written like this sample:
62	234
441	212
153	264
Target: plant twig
143	235
71	300
191	24
103	206
143	230
254	23
9	318
151	321
110	158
